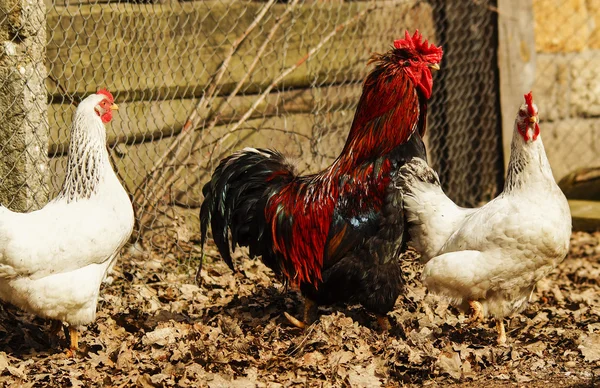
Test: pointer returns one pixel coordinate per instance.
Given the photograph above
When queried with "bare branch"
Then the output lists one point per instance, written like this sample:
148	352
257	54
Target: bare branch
195	145
290	69
162	184
192	119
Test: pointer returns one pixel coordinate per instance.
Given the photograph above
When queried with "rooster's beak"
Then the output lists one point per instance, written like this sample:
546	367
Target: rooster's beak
114	107
434	66
533	119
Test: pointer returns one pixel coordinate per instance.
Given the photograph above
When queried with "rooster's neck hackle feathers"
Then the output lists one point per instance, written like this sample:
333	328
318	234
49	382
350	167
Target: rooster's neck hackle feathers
394	100
88	159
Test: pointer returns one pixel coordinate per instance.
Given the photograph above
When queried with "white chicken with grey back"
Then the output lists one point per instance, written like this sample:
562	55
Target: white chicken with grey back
53	260
489	259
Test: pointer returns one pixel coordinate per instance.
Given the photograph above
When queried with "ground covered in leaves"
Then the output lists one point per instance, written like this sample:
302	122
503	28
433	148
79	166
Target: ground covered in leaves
156	328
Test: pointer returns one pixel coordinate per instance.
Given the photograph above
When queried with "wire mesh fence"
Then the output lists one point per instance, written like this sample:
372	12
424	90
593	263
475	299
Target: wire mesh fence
567	41
196	80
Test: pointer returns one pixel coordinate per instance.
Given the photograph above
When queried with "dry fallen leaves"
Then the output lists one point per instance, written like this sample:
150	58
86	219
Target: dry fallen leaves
156	328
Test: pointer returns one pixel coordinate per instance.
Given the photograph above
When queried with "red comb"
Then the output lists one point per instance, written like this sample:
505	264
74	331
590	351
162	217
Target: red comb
429	52
107	94
529	102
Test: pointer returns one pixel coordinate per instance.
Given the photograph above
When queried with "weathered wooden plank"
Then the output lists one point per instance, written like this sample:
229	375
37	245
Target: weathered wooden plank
571	144
142	121
292	134
516	60
158	52
586	215
583	184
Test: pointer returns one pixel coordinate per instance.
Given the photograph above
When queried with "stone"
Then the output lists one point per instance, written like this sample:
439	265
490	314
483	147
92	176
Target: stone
561	138
561	25
593	7
584	88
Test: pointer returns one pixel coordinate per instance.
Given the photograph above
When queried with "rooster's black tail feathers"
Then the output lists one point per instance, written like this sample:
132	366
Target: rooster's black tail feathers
235	200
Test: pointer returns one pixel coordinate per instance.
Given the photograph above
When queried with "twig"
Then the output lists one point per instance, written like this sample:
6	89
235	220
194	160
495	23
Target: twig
300	346
163	188
207	98
171	179
64	92
290	69
251	68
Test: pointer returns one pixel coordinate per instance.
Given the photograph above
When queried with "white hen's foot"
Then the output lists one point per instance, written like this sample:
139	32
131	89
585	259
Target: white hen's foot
501	332
476	313
73	341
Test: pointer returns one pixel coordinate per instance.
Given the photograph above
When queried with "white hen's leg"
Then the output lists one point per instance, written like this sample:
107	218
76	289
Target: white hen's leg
501	332
73	340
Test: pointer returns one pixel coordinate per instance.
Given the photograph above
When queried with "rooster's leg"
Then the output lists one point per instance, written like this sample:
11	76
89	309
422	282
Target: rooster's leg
501	331
310	314
476	313
384	323
311	309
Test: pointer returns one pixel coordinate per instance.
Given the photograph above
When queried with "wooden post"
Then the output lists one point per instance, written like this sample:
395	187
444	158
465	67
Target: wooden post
516	60
465	115
23	103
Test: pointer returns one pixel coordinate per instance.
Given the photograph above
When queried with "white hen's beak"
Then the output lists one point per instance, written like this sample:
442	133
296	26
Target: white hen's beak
114	107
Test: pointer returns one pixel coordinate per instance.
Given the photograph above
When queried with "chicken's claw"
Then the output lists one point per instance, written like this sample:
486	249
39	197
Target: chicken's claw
73	339
294	321
476	313
310	314
384	323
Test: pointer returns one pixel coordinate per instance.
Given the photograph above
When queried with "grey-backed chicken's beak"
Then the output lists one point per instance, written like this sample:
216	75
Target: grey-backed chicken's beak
434	66
533	119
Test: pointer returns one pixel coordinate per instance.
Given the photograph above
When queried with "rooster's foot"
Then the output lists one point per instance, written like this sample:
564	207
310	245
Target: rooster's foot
310	314
476	313
294	321
384	323
501	332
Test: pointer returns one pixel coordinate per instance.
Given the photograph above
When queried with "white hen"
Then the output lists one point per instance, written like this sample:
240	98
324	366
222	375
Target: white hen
53	260
491	257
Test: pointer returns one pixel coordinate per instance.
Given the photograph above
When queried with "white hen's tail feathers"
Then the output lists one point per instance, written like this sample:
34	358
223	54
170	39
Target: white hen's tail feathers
431	215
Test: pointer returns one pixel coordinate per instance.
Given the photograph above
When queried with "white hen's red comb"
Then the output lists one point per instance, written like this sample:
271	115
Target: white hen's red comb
107	94
529	102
